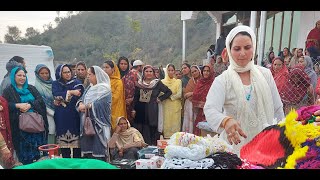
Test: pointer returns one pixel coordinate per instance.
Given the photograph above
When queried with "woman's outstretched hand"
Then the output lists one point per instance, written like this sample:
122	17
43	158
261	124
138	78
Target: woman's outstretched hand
234	131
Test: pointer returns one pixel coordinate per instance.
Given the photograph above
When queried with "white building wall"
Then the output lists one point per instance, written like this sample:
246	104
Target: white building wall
187	15
33	56
308	21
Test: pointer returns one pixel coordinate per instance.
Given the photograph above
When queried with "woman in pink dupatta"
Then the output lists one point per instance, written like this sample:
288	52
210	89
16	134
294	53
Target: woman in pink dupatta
279	72
189	115
199	96
297	92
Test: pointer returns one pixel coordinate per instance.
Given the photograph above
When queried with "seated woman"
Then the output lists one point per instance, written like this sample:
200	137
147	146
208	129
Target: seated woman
125	141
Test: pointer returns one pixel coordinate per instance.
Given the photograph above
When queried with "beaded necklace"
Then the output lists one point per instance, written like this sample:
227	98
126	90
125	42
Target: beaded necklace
248	96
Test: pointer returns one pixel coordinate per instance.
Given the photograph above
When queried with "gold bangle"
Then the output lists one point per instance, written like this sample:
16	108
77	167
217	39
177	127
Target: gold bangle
225	121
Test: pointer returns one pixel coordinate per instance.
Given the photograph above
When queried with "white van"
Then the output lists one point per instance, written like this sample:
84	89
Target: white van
32	54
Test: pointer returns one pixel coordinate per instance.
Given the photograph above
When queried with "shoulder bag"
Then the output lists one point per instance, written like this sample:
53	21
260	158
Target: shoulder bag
88	125
31	122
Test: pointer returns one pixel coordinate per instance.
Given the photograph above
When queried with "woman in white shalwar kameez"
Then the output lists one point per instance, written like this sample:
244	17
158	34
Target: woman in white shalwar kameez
244	99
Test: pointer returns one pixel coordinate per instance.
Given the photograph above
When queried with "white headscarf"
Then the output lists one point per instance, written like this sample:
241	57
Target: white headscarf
95	92
261	88
101	88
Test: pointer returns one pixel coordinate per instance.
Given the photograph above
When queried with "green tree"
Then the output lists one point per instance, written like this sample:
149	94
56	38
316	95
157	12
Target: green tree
31	32
113	56
153	36
135	26
13	34
135	53
47	27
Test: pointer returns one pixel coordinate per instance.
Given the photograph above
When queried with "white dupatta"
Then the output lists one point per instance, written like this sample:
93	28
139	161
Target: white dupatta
250	123
95	92
101	88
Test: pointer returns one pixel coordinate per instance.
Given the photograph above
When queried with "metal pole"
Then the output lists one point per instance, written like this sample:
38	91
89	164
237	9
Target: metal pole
263	21
253	20
273	20
218	30
281	31
291	24
183	41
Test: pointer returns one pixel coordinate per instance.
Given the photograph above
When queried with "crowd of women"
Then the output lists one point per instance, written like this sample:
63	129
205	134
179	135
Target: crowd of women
131	104
296	78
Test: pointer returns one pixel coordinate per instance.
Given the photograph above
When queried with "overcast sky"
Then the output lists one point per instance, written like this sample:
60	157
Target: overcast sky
25	19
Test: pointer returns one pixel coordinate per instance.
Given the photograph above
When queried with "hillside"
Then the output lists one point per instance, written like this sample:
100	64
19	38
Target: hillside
153	36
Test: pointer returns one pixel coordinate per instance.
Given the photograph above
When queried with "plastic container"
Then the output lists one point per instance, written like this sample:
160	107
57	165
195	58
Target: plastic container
52	149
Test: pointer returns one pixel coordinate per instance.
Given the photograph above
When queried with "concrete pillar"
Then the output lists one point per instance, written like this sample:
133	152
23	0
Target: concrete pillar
183	40
218	30
253	20
260	47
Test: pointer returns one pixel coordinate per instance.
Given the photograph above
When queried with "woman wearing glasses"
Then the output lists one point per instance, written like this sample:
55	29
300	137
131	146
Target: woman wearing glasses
66	91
